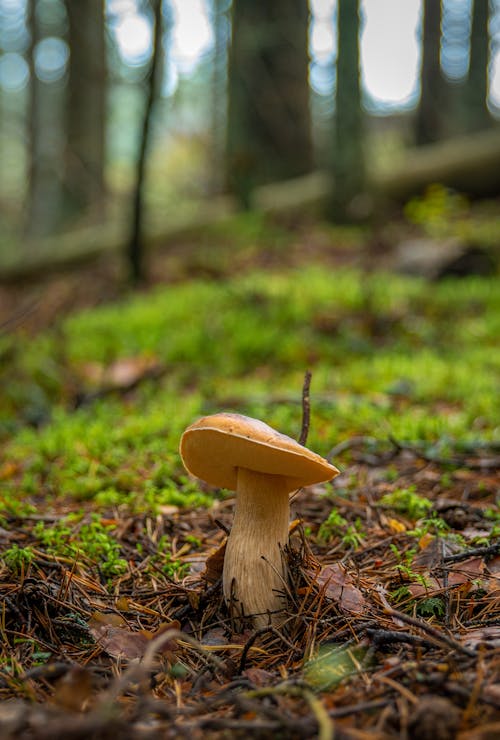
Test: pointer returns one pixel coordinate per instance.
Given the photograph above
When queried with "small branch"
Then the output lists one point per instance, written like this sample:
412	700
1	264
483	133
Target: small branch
387	637
348	443
473	552
456	461
440	637
306	408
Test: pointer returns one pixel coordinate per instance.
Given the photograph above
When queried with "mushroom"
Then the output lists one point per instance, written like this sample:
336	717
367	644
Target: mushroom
263	467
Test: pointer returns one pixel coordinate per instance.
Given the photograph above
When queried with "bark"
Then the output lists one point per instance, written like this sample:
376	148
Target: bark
476	87
429	122
135	246
86	107
469	164
348	166
220	24
269	123
43	201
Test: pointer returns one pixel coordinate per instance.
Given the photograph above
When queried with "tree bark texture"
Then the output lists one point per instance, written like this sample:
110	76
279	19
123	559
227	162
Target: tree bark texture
45	131
477	115
428	124
348	165
269	123
135	246
86	107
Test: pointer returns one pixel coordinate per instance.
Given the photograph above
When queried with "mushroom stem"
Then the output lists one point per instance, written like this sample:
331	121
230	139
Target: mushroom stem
253	568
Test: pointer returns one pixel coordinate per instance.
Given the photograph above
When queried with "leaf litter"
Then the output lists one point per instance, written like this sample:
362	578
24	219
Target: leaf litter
153	655
391	626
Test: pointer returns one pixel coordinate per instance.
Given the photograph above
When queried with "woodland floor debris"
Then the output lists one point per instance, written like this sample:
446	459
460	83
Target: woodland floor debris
113	622
72	646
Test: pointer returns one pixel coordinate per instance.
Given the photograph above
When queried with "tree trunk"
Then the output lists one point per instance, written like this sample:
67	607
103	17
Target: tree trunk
428	126
469	164
220	26
43	202
86	107
135	247
348	165
269	124
476	87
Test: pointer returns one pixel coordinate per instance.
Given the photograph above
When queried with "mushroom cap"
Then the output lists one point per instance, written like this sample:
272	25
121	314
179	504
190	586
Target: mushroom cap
214	447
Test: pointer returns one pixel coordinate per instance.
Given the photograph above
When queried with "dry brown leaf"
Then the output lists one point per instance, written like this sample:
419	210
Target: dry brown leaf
258	676
106	619
339	586
482	636
458	574
120	642
214	636
215	564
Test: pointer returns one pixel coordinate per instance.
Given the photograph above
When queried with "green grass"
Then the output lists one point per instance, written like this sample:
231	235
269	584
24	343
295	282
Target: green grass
389	355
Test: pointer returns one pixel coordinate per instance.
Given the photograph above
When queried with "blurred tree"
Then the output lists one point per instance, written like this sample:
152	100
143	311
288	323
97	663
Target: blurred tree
221	25
86	108
269	124
43	199
135	246
431	109
477	116
347	164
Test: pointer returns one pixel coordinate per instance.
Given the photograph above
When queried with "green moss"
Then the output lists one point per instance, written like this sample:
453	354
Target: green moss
389	356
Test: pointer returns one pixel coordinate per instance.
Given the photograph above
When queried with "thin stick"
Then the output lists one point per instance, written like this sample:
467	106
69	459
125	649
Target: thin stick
306	408
440	637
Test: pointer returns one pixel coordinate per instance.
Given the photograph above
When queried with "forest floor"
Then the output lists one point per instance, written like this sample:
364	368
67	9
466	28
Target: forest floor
113	622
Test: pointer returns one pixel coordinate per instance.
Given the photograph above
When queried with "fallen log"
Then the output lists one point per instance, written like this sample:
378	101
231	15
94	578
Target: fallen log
468	164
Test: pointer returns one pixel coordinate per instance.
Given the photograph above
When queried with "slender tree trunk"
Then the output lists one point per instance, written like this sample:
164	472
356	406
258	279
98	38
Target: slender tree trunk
43	201
220	25
86	107
269	124
135	247
476	87
429	119
348	165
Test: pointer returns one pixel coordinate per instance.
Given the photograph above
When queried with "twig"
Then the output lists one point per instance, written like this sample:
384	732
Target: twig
252	639
348	443
440	637
473	552
386	637
306	408
457	461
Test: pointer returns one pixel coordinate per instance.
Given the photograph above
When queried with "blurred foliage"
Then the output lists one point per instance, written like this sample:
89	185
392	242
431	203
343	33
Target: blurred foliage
443	213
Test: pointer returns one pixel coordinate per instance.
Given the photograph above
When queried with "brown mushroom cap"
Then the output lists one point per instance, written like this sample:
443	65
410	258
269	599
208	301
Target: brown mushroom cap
214	447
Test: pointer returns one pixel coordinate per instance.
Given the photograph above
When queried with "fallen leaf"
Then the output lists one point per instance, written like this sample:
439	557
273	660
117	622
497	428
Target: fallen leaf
339	586
8	470
396	526
99	619
119	642
258	676
215	564
489	636
214	636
